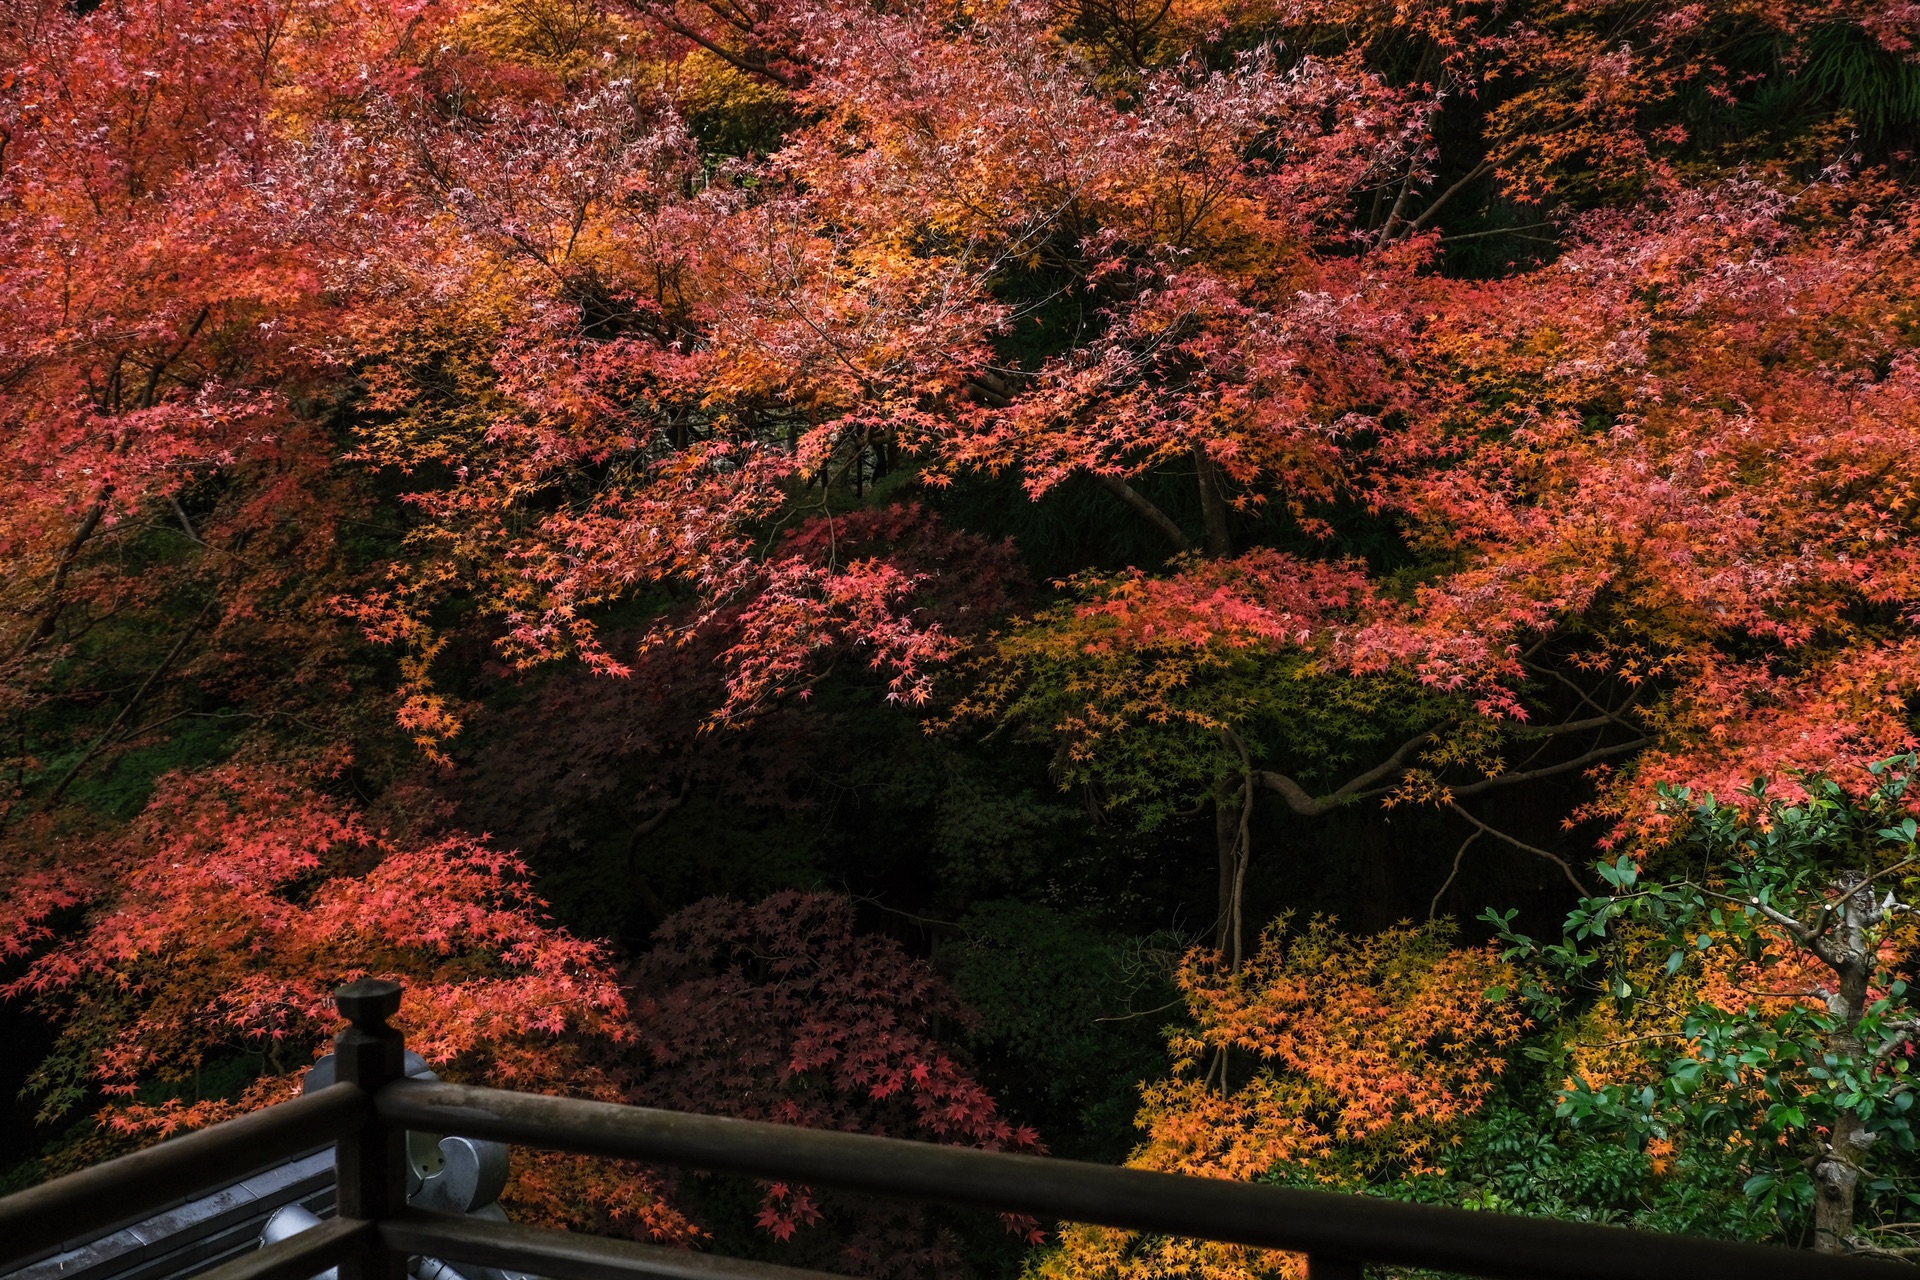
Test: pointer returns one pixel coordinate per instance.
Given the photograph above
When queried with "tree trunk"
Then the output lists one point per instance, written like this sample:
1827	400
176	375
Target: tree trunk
1233	834
1213	504
1226	834
1836	1175
1835	1178
53	600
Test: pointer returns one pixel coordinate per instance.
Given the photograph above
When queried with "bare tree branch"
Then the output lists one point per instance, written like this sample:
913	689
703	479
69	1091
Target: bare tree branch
53	597
100	744
664	16
1800	933
1160	520
1522	845
1300	801
1433	908
1547	771
1440	201
1583	695
186	525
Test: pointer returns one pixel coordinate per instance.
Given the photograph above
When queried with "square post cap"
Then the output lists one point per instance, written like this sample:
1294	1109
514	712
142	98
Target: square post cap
368	1002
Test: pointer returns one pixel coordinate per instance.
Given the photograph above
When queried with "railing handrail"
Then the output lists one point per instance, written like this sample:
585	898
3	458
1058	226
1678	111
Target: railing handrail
1316	1223
110	1195
365	1117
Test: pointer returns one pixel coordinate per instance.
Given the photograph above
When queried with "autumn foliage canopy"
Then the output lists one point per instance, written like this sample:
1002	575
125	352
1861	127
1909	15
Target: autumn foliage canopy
643	518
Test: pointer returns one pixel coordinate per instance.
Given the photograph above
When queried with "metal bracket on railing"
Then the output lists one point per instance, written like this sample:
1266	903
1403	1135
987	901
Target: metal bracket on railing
455	1175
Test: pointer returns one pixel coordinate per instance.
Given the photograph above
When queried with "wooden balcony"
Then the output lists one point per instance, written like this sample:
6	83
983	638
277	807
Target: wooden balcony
374	1233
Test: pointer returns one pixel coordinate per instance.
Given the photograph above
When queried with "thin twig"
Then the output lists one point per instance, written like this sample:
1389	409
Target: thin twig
1440	201
100	743
1566	766
1144	1013
1433	908
1522	845
186	525
1500	231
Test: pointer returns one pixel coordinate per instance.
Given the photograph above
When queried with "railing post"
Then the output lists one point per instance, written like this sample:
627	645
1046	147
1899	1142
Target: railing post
370	1163
1321	1267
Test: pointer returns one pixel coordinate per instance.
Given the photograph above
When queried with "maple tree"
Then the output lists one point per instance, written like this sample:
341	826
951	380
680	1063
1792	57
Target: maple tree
172	520
241	899
780	1011
1322	1060
219	924
1618	505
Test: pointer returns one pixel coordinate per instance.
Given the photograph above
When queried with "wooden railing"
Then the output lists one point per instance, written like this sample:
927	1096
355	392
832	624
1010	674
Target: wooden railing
374	1233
